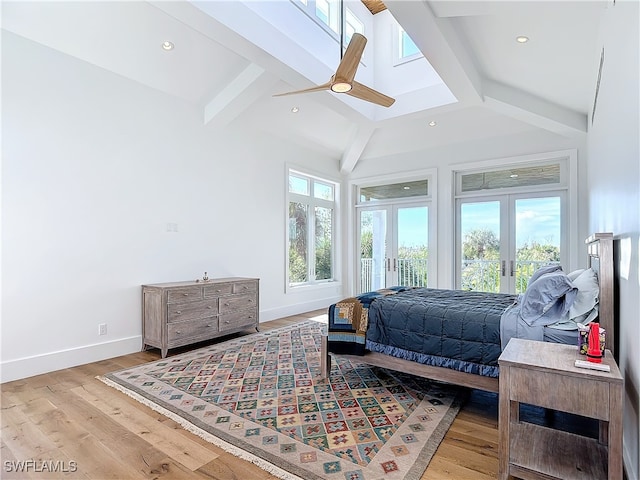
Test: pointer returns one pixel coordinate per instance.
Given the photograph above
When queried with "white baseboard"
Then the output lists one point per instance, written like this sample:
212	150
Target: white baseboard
48	362
287	311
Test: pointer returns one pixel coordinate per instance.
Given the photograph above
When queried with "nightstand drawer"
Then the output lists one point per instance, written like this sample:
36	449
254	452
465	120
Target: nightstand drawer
234	302
179	312
560	392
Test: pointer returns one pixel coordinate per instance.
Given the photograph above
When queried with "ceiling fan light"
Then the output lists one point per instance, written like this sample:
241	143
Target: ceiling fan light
167	45
341	87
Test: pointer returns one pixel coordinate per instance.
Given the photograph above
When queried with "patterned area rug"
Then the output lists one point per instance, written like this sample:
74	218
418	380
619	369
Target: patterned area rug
259	398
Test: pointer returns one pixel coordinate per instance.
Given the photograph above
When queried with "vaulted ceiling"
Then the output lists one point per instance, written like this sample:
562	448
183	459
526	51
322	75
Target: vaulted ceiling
229	65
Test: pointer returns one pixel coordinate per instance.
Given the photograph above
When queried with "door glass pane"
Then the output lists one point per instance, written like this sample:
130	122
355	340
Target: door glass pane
298	263
480	255
412	246
537	236
324	222
373	232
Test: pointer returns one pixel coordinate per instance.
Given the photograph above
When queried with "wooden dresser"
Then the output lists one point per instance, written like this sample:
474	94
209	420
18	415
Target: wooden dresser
181	313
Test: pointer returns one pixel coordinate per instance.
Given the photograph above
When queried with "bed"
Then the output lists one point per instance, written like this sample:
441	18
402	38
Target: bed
457	336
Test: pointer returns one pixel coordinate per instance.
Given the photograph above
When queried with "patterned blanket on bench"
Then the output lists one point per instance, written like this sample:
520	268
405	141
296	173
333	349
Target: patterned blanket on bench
349	319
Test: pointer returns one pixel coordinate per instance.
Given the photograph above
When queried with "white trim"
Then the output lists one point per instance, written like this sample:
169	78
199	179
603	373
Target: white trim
298	308
48	362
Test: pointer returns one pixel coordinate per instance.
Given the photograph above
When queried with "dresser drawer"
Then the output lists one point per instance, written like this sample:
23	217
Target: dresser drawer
203	328
245	287
218	289
235	302
233	320
185	294
179	312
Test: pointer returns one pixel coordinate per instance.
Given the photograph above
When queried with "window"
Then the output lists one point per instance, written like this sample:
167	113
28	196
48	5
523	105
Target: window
407	47
395	230
351	25
311	232
510	222
327	14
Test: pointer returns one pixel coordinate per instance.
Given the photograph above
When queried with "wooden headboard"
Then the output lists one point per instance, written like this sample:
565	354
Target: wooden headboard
600	252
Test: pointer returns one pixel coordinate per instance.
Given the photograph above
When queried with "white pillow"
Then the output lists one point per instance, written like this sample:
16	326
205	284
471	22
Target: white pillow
588	292
573	275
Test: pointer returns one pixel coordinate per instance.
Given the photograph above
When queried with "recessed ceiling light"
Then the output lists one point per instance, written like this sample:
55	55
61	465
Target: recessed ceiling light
522	39
406	188
513	175
295	110
432	123
167	46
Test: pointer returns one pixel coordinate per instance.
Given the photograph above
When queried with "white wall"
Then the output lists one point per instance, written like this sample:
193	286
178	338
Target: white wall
614	192
94	167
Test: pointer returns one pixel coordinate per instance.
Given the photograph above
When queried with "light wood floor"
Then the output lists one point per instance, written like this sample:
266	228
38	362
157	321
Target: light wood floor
69	416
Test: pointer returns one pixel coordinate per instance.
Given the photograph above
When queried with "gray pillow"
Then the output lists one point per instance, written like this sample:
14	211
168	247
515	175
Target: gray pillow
544	270
548	299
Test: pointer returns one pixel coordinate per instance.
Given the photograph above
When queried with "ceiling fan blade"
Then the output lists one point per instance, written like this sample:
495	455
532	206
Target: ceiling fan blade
346	71
325	86
363	92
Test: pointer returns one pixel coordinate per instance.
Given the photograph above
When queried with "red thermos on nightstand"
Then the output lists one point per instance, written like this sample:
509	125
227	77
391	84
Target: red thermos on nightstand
594	354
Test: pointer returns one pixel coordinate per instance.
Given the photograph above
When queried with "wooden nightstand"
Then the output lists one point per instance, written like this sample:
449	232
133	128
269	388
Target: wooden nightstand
543	374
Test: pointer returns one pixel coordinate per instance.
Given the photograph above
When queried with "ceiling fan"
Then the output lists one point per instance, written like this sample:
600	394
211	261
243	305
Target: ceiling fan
343	80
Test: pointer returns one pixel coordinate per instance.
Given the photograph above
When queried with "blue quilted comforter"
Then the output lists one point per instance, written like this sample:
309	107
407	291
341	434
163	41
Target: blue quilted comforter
447	328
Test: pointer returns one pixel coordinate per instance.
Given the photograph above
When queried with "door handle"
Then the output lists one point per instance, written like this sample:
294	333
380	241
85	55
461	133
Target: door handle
388	264
504	268
394	264
511	268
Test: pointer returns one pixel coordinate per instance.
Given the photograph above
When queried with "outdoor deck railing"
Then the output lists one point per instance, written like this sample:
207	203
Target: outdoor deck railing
480	275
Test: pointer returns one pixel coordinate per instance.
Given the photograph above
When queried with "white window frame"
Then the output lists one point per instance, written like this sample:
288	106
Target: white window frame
568	183
313	202
398	59
353	230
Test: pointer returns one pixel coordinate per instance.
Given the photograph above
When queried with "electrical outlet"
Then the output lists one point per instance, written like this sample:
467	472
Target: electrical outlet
102	329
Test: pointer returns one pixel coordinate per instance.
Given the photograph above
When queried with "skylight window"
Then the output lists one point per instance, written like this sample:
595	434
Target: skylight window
327	14
407	47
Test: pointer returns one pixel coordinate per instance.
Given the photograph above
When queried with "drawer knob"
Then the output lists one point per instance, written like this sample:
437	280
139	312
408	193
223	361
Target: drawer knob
209	307
226	304
245	287
227	322
178	332
218	291
250	316
208	325
185	294
178	312
249	300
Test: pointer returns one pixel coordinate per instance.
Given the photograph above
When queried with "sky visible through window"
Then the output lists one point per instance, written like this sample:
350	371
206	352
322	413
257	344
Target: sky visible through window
537	220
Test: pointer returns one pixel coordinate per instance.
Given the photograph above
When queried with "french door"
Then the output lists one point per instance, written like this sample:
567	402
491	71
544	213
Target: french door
502	239
393	246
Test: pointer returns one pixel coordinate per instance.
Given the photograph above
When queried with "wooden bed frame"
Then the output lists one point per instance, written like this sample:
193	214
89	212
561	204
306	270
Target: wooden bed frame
600	258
